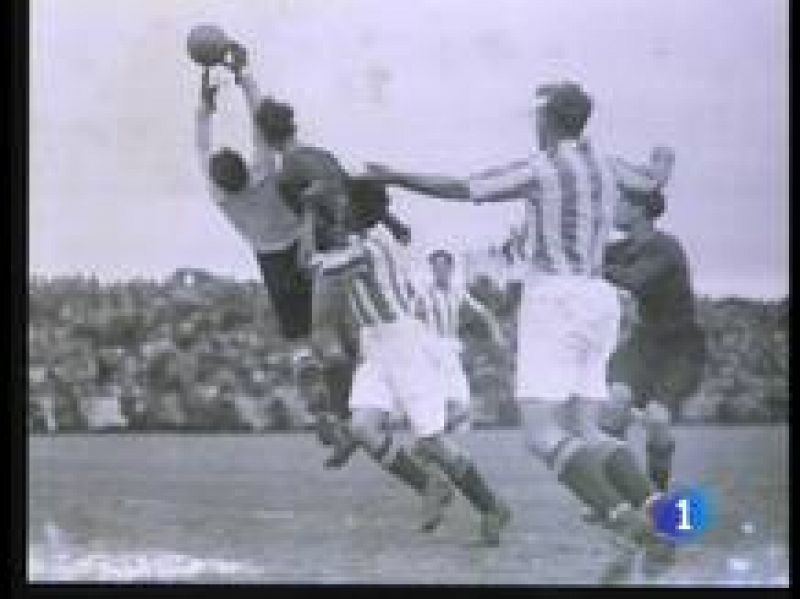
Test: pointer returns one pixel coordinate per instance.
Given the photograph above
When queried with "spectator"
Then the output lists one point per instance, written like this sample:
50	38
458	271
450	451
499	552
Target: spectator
162	356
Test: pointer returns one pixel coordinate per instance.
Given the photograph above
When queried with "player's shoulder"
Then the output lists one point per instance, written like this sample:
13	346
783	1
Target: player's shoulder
311	153
666	241
304	158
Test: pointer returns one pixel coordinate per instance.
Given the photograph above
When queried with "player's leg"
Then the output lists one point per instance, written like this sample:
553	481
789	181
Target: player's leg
457	393
616	415
599	334
625	389
677	371
551	354
659	444
463	472
616	457
330	377
570	457
290	290
367	428
544	379
339	376
419	388
370	403
442	494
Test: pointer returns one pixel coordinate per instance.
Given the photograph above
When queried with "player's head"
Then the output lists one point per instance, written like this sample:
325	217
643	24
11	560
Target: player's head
636	207
562	110
442	265
275	121
368	204
228	170
641	189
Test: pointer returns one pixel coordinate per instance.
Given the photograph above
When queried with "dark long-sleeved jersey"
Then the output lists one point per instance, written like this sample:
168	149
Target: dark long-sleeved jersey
656	272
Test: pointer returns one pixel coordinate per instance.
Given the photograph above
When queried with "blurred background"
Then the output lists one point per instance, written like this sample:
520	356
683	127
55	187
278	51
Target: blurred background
196	352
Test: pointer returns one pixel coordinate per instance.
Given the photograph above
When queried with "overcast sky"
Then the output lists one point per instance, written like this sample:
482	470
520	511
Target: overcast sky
437	85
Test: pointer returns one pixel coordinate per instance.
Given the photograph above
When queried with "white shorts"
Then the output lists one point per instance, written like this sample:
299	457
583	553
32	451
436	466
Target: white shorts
454	379
568	329
455	386
400	372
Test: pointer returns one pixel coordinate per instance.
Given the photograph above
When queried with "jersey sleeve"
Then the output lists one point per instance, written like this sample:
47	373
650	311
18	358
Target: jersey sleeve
203	149
509	182
264	157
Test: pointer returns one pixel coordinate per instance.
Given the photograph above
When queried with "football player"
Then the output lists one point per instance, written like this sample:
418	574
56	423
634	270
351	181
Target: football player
569	315
661	363
398	373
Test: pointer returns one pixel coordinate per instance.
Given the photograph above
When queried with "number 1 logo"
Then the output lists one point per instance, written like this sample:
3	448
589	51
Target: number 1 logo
682	515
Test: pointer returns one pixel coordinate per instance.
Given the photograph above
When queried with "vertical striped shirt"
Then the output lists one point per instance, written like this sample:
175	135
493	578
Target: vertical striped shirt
442	308
378	289
569	198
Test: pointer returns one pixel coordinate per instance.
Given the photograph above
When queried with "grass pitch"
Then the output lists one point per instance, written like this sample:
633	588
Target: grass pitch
261	508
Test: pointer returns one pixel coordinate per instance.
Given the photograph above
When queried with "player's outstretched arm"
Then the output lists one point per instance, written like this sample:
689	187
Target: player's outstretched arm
337	261
439	186
511	182
238	62
205	111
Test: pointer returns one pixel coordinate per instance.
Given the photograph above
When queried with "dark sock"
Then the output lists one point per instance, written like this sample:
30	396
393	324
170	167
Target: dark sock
338	378
627	476
341	433
583	475
473	486
659	463
403	466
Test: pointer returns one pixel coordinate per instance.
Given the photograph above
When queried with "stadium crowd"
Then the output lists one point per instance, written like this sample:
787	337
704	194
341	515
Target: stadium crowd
199	353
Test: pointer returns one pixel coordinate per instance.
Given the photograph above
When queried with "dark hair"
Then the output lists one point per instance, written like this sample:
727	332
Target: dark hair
440	253
656	205
228	170
368	204
275	120
570	105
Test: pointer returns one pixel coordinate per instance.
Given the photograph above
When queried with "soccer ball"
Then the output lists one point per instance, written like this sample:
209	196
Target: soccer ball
207	45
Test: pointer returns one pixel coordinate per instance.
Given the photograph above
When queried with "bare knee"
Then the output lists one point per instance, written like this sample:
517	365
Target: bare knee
366	428
542	430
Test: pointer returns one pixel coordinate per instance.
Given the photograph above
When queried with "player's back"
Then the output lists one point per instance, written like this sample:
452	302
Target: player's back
569	212
303	166
666	301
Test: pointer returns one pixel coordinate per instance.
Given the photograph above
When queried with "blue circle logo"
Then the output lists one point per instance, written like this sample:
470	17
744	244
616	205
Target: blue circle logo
682	514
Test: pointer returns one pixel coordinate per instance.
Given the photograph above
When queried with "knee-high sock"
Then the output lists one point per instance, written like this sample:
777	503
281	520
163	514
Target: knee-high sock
338	375
660	444
474	487
578	469
625	473
465	476
398	461
659	461
332	430
431	466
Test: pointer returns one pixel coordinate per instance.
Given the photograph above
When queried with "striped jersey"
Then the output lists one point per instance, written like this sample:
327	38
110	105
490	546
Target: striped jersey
569	196
377	286
442	308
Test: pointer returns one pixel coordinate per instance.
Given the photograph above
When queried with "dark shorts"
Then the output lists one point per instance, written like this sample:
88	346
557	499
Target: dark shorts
665	368
290	289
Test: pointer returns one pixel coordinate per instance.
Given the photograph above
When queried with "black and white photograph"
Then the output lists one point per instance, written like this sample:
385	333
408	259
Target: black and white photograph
434	292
